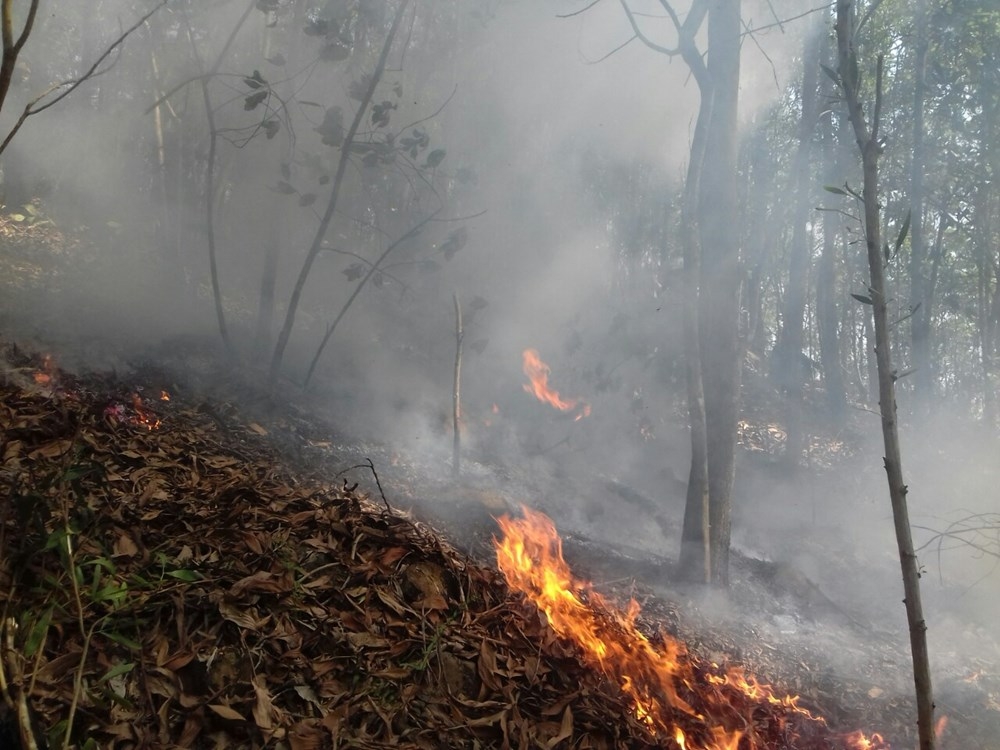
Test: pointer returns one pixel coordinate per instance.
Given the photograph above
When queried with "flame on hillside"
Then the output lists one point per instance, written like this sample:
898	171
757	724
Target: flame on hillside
538	385
681	701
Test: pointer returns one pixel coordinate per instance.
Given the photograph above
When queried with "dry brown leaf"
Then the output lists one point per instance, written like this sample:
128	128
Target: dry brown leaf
487	665
226	712
265	582
263	708
565	729
124	546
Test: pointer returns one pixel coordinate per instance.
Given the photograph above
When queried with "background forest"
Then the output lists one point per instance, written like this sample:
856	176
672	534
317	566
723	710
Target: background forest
312	188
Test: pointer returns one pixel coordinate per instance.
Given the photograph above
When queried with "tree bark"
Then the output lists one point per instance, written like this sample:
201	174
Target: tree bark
790	368
869	144
456	412
719	301
920	321
695	562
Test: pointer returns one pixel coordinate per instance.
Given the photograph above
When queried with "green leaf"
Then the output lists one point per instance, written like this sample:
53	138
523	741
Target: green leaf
863	299
124	641
271	128
255	81
37	634
903	231
435	157
117	670
188	576
254	100
332	129
354	271
834	189
307	200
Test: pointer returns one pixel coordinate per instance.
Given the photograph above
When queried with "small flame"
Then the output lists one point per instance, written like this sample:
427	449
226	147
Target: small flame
144	417
164	396
538	375
45	375
662	681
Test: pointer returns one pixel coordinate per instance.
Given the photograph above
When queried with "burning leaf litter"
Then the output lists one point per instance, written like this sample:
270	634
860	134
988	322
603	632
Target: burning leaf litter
698	706
221	600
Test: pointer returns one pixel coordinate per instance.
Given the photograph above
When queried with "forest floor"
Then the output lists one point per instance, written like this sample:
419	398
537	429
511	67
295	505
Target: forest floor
222	569
179	572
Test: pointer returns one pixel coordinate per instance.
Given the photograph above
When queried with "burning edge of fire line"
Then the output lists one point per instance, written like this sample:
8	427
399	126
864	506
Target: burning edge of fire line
681	702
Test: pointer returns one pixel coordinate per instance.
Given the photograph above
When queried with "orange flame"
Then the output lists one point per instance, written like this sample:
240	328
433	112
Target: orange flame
538	375
164	396
143	416
663	682
45	375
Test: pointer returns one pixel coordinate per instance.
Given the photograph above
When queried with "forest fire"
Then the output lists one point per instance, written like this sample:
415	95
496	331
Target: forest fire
683	702
538	375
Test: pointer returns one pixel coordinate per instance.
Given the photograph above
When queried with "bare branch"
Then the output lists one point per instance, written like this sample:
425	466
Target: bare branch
579	12
670	52
30	108
75	84
781	23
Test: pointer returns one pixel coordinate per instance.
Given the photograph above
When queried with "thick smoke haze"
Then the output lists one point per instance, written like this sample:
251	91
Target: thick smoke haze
541	111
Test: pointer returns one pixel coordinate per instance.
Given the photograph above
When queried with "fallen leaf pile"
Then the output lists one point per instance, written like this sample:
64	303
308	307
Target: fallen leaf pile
165	581
174	587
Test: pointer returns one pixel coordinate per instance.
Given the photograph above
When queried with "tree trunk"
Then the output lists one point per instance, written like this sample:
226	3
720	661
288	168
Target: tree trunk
920	322
719	300
826	283
695	563
868	139
791	369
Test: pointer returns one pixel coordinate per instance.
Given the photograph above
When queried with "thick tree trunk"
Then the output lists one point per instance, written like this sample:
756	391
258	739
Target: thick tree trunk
869	142
719	302
695	563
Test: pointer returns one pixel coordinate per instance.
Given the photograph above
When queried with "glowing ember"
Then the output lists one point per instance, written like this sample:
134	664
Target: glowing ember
693	705
45	375
538	375
143	417
164	396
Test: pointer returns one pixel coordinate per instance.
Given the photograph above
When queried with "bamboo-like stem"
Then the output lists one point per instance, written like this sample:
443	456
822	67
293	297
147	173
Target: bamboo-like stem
870	147
457	393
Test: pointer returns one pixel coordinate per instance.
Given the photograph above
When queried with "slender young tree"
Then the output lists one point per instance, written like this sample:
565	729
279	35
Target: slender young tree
870	143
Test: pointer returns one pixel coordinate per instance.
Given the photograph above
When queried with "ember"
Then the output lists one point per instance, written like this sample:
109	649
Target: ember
143	416
697	706
538	375
44	376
